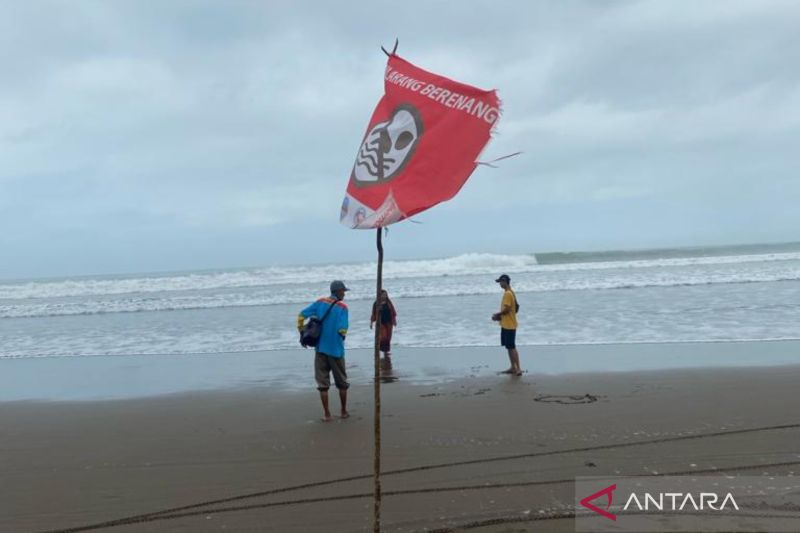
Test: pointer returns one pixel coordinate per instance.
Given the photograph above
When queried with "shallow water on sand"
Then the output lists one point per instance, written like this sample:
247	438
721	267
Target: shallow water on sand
117	377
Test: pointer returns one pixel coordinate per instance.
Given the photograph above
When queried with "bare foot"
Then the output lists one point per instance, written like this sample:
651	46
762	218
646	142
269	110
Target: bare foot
509	371
345	414
326	418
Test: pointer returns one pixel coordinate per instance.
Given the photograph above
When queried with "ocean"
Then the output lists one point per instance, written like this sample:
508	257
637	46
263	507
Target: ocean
634	296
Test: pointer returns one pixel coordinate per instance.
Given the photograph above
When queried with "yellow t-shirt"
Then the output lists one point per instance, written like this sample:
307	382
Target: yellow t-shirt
509	320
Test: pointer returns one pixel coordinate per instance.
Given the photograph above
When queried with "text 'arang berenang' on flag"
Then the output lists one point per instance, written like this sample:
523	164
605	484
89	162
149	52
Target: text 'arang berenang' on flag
421	145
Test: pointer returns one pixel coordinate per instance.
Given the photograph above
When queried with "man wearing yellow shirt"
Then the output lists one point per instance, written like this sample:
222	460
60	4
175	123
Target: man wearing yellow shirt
508	324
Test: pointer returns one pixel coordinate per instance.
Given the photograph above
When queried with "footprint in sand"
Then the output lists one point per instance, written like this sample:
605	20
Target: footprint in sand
566	399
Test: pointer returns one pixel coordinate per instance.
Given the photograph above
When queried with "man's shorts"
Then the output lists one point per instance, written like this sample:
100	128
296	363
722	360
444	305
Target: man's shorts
325	364
508	338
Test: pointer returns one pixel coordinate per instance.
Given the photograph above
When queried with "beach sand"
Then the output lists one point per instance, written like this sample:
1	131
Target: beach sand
69	464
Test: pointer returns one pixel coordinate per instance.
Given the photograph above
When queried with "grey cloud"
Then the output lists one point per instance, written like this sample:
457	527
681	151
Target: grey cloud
237	118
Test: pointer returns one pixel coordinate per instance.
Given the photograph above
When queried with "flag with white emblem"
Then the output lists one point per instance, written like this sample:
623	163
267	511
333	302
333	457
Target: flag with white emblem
420	147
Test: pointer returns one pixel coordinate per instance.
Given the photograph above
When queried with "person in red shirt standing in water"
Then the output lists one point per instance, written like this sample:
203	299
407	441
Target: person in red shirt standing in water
384	313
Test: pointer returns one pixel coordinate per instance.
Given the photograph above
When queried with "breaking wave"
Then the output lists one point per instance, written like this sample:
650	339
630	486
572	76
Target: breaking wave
463	275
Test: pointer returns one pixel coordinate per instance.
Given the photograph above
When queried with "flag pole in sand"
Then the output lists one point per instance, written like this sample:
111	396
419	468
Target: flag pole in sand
376	464
376	504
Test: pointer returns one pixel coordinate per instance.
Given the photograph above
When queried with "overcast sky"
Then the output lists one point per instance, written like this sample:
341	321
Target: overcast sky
151	136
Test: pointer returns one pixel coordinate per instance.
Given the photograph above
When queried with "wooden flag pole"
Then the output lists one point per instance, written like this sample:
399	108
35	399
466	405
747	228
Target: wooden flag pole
376	523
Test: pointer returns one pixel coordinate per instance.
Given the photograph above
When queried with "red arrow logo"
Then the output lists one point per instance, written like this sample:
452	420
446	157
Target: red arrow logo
609	492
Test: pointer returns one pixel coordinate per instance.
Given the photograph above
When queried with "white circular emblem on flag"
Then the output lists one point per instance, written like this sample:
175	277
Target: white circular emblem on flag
388	147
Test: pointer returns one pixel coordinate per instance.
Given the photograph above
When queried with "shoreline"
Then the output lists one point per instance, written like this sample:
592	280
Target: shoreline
134	376
403	347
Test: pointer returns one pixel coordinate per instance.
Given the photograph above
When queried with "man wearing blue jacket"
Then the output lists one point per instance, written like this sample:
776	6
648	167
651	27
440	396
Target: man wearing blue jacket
329	356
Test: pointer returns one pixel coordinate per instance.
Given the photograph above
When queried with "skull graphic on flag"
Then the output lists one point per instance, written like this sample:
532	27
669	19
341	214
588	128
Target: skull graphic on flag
420	147
388	146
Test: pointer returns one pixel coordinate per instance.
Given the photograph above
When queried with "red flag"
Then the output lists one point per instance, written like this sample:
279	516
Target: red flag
421	145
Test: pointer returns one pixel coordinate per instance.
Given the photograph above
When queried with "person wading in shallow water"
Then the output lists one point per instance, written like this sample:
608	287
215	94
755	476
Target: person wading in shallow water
508	324
384	313
329	356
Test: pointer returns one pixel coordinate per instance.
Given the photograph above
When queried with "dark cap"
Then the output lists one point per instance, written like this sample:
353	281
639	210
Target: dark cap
503	277
338	285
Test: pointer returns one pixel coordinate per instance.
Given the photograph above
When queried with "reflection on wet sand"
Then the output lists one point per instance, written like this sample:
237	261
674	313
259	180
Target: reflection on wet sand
387	370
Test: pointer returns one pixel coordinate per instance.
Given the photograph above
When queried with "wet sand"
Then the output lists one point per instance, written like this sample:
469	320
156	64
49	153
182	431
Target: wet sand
506	442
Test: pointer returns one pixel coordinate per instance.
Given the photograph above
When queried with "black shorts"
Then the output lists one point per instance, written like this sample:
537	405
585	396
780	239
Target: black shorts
508	338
